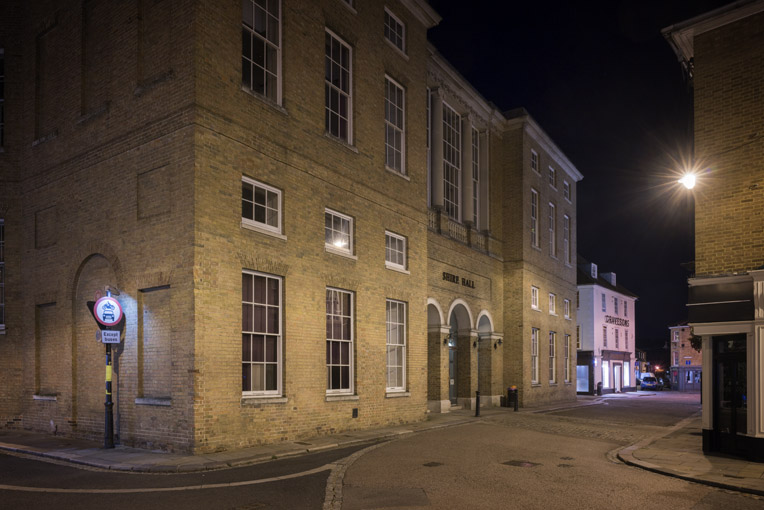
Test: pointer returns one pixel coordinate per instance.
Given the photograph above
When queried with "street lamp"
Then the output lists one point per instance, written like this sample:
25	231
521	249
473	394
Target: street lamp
688	180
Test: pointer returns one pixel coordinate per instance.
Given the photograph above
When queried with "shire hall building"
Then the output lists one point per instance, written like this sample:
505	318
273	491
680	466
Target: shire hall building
313	221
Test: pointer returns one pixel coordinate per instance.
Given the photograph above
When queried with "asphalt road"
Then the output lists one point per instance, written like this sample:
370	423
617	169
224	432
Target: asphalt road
62	486
555	459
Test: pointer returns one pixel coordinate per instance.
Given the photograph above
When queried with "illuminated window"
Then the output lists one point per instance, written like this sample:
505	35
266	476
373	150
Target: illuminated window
337	88
552	357
339	341
606	374
534	355
261	334
452	161
396	345
534	218
534	298
395	32
338	232
395	251
626	374
394	125
261	48
260	205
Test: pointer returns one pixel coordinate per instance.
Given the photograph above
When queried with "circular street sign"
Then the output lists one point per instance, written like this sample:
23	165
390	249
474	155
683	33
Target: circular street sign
107	311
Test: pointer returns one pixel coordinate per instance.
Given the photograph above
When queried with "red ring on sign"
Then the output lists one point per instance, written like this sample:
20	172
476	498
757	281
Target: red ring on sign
117	315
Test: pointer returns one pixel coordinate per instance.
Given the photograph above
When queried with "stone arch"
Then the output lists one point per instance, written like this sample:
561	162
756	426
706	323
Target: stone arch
460	311
88	355
484	323
434	313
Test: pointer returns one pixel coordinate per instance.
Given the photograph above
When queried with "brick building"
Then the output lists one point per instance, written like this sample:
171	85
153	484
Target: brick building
189	154
722	52
686	370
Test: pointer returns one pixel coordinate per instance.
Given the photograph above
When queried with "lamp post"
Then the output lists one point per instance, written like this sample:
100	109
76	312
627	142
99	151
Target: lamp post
688	180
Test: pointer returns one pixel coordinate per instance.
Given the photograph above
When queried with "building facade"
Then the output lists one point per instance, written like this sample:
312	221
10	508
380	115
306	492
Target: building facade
722	53
296	255
605	333
686	363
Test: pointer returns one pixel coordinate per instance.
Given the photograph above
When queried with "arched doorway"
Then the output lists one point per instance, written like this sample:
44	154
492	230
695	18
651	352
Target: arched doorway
462	356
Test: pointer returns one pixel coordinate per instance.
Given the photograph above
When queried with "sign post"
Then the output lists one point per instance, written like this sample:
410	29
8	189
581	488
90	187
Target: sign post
111	320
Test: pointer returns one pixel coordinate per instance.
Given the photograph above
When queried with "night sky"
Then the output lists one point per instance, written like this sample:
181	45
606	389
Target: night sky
605	85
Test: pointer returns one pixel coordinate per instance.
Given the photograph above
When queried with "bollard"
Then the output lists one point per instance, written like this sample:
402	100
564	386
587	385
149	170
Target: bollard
512	397
477	403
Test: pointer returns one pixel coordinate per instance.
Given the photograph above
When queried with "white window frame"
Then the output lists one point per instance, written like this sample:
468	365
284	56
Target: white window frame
534	161
535	297
552	230
534	218
395	35
552	357
351	344
452	163
475	178
534	355
259	225
345	92
334	247
279	334
604	336
617	337
395	330
390	264
566	238
615	305
269	42
604	303
566	308
566	190
552	304
552	177
566	366
395	127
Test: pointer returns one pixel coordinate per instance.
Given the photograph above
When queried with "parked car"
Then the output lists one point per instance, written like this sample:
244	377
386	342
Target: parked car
649	382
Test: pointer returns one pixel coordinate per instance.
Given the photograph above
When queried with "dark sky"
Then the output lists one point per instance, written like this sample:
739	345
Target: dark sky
604	84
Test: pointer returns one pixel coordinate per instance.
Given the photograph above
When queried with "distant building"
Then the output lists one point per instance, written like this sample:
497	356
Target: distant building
640	365
686	362
604	332
722	52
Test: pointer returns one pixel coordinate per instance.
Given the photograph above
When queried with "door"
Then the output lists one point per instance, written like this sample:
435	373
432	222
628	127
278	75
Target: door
617	377
730	393
452	375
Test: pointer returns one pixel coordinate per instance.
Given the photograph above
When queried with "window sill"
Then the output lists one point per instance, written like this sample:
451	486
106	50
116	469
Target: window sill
553	314
397	394
535	385
256	228
2	330
262	399
51	398
397	173
94	114
552	383
45	138
265	100
567	318
397	49
155	401
340	398
349	146
535	309
341	253
397	269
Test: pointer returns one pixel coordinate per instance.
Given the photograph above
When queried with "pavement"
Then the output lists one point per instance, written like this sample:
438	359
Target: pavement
676	452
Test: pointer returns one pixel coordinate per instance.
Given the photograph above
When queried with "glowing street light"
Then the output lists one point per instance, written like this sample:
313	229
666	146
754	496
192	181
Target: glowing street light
688	180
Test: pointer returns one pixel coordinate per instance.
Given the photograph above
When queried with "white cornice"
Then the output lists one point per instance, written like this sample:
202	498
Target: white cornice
681	35
537	133
423	12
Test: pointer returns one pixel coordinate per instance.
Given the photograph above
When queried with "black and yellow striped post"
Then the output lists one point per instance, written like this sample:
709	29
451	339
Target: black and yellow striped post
108	439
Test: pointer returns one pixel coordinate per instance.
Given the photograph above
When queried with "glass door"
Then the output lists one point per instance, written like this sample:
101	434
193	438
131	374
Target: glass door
730	393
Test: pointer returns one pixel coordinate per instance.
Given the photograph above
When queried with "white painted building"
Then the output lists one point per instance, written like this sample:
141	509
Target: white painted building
604	332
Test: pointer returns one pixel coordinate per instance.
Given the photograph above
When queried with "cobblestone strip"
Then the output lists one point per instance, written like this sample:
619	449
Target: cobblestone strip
333	498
